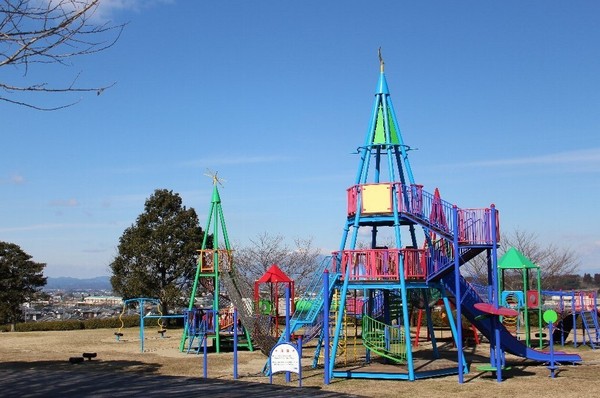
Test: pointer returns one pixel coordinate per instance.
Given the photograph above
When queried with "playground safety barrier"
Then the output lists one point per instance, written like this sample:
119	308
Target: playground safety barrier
388	341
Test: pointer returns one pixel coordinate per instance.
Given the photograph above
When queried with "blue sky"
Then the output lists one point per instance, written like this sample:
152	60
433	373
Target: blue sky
502	100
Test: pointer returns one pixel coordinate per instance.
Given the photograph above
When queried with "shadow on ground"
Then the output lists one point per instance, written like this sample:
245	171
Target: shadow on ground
128	379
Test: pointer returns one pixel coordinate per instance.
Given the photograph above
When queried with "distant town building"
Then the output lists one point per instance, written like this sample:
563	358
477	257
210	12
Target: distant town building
102	300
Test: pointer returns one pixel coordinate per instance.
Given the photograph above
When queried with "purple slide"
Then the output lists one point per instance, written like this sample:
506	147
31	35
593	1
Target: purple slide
484	325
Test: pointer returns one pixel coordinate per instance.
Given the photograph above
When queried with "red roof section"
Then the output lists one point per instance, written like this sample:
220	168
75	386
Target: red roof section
274	274
437	210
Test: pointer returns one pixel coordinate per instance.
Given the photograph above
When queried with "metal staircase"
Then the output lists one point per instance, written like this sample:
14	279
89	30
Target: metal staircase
199	324
590	325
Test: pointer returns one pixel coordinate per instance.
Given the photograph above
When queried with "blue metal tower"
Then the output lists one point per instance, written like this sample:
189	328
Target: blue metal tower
386	198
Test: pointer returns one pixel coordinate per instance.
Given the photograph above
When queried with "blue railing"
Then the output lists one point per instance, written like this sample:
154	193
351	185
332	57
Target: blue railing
199	323
311	301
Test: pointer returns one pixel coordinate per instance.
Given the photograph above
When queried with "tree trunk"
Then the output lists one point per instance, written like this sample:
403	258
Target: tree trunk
164	309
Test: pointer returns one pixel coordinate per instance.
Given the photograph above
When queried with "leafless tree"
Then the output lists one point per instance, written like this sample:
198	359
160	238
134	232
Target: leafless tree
42	32
299	262
555	262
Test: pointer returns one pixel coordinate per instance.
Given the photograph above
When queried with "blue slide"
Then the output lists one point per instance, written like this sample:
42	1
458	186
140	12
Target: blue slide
484	325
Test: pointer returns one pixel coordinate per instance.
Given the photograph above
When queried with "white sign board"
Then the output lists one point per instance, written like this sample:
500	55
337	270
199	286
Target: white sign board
285	358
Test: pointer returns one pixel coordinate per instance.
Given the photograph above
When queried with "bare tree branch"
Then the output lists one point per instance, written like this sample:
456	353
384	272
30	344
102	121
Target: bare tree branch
555	262
299	263
34	32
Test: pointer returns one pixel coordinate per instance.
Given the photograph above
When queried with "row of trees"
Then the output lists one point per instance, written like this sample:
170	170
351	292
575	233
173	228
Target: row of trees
157	255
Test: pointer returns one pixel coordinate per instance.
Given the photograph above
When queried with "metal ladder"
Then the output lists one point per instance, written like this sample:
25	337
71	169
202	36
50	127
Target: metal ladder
590	325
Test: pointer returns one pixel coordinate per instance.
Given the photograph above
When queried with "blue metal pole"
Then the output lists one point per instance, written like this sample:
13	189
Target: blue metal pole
370	307
496	296
459	342
141	303
300	359
287	314
205	360
365	155
551	367
574	315
388	138
339	319
405	315
326	373
287	323
235	344
403	147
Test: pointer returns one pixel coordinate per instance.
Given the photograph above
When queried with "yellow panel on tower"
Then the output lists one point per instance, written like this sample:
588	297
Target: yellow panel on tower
376	198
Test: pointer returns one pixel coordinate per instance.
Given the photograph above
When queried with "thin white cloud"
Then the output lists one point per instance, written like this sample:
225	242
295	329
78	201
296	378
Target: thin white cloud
17	179
56	226
14	179
64	203
582	160
93	251
136	199
107	8
235	160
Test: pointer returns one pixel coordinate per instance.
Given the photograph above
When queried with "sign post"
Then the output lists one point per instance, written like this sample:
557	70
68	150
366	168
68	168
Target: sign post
285	357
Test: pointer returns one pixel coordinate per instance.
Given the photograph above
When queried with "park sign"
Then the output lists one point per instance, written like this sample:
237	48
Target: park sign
285	358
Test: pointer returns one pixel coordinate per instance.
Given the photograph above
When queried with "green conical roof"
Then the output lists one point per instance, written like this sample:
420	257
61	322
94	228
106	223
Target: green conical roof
380	137
514	259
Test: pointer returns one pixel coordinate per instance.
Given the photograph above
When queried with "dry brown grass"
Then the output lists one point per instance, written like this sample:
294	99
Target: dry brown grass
40	350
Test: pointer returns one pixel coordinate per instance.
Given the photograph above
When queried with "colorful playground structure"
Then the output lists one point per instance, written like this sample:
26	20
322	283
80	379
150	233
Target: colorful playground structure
216	268
432	240
360	304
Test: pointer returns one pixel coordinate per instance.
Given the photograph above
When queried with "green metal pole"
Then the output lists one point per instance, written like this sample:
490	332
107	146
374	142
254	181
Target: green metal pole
215	201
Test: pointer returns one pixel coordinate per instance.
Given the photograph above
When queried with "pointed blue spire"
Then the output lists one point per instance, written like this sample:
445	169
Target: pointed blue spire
382	87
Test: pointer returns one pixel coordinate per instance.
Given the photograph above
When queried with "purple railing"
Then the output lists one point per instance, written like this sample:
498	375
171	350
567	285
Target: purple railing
474	225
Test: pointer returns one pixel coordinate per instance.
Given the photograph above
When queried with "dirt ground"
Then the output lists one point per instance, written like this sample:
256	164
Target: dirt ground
37	364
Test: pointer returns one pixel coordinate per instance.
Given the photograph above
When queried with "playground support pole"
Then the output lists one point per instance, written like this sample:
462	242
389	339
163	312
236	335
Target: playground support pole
326	372
141	304
339	319
205	359
459	342
287	324
551	366
370	306
496	296
574	315
235	344
300	355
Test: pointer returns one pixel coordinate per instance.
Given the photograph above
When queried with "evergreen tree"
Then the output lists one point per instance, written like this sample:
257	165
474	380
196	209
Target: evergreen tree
157	255
20	280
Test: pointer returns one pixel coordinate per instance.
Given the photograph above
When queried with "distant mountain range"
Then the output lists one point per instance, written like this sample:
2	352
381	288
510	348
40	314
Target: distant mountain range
67	283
